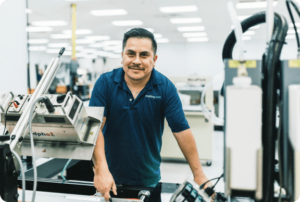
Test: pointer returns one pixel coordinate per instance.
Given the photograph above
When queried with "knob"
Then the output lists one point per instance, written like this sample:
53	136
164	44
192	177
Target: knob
143	195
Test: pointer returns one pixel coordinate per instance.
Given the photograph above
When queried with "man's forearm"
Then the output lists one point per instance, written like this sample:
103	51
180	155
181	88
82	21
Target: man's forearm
186	142
99	158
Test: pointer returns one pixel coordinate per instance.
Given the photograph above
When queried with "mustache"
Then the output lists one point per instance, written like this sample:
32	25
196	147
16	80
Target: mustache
135	67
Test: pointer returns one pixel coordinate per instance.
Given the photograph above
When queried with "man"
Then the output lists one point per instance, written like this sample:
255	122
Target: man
137	98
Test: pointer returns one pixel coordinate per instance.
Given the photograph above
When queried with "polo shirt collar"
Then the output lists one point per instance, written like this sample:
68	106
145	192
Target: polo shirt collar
155	79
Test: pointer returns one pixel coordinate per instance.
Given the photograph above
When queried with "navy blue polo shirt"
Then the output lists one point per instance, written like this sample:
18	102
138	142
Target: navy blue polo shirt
134	127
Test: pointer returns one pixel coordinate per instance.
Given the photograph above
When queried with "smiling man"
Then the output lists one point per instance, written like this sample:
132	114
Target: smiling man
137	99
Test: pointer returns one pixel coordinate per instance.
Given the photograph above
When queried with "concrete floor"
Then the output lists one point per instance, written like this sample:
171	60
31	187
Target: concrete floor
178	172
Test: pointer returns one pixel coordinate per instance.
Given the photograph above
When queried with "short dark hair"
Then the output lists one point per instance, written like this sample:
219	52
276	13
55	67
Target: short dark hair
140	33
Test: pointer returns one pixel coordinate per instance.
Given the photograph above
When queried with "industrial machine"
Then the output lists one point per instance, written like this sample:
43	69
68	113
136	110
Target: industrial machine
201	127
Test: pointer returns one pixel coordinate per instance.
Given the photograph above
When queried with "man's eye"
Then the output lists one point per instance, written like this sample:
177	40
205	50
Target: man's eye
130	54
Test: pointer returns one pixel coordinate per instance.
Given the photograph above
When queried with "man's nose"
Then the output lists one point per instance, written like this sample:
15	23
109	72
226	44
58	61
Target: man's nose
137	60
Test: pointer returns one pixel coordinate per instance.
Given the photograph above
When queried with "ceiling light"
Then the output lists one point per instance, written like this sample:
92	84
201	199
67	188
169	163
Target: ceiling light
127	23
191	29
58	45
109	12
112	48
246	38
185	20
163	40
79	31
97	45
248	33
178	9
61	36
194	34
98	38
243	17
37	48
53	50
116	42
67	53
103	53
49	23
88	50
297	24
84	41
39	29
255	27
248	5
37	41
292	31
158	36
290	37
69	48
198	39
28	11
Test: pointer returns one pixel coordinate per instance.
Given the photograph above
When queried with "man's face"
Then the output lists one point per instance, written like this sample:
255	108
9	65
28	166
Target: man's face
138	58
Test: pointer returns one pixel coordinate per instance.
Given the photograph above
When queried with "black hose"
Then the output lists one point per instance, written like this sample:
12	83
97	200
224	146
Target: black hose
288	2
269	92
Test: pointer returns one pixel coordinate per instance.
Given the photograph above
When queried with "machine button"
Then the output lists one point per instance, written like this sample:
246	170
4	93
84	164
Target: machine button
61	98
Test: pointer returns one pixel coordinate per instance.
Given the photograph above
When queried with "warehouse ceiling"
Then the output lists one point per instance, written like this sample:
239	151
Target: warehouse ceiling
213	13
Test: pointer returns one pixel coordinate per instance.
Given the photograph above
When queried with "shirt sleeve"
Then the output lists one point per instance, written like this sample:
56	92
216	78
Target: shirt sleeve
173	110
99	94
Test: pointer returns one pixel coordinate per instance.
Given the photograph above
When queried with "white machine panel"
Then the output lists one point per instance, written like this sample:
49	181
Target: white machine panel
243	136
294	131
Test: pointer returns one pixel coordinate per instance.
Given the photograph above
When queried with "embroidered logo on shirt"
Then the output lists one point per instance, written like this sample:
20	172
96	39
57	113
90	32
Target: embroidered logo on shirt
153	96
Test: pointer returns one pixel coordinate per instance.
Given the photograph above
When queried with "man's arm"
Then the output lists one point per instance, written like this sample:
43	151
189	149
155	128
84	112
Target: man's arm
103	180
187	144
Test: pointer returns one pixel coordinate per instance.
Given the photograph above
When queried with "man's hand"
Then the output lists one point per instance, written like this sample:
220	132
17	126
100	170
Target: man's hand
104	182
202	179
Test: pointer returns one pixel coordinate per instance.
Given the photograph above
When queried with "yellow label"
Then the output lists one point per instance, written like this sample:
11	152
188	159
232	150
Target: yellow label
91	133
294	63
248	63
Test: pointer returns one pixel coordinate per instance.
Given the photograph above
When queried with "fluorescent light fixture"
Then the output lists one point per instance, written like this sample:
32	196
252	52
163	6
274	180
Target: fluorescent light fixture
61	36
249	33
255	27
28	11
79	31
58	45
162	40
194	34
297	24
98	38
115	42
103	53
67	53
191	29
110	12
202	39
38	41
246	38
80	198
97	45
49	23
69	48
178	9
88	50
243	17
158	36
290	37
150	30
248	5
53	51
112	48
84	41
39	29
127	23
37	48
292	31
115	56
185	20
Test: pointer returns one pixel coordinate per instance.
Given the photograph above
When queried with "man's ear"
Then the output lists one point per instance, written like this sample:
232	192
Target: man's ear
122	57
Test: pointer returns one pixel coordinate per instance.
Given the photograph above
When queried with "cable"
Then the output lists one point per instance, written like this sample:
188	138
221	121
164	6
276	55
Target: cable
62	172
279	151
32	148
22	173
5	118
217	178
288	2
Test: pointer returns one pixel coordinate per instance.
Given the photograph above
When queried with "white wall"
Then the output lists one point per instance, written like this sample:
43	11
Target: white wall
13	47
